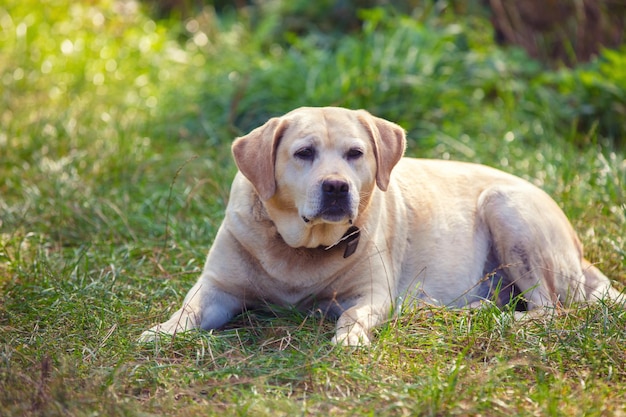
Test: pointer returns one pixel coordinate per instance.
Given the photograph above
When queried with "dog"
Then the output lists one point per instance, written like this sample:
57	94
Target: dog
325	213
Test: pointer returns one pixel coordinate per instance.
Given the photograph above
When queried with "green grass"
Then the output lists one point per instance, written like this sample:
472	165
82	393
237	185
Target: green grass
114	173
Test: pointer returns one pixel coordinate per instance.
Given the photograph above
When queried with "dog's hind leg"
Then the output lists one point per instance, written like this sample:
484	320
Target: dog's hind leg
537	247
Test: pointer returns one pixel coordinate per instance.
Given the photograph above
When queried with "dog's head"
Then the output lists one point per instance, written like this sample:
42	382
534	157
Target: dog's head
315	169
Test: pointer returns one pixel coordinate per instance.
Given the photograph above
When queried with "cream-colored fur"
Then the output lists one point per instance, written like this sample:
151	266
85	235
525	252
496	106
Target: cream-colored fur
449	233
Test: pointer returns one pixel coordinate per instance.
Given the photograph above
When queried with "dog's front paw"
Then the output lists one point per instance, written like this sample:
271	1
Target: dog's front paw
181	321
354	335
148	336
169	328
153	335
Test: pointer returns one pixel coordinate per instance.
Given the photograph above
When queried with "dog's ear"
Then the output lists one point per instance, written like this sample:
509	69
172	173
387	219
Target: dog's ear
255	156
389	142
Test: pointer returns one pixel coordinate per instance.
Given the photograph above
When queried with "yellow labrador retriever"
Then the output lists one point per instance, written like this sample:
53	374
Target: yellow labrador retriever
326	213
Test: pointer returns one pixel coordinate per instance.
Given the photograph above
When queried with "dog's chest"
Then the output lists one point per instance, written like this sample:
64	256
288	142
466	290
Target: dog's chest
302	275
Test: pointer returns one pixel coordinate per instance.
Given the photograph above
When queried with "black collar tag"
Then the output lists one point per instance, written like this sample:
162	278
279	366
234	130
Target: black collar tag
352	240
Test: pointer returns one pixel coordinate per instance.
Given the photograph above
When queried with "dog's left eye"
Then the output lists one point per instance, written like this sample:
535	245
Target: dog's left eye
354	153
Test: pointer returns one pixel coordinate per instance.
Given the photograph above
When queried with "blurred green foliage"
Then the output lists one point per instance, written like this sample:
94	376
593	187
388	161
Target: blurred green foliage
595	95
424	69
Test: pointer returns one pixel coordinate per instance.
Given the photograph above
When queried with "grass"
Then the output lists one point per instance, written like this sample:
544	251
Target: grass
115	172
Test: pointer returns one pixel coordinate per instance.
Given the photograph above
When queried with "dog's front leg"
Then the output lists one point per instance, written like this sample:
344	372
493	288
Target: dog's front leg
355	325
205	307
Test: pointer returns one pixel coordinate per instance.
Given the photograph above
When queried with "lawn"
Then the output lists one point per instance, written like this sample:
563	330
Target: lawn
114	174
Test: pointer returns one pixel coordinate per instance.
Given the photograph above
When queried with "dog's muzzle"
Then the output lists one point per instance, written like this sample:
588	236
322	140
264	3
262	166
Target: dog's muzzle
336	200
333	203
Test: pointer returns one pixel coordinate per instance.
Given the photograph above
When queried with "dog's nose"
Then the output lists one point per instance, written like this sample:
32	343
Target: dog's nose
335	188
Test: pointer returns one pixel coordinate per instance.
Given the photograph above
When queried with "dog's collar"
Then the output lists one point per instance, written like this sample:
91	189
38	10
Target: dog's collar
351	238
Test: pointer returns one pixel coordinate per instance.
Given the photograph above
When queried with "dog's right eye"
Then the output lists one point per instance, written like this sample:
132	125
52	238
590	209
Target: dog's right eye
306	154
